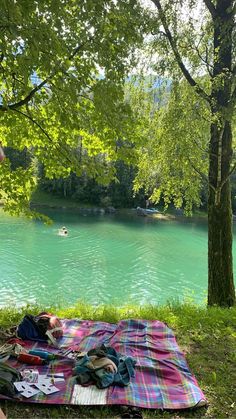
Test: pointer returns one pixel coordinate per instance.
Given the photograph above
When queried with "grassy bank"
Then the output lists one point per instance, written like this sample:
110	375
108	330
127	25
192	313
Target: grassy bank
44	199
207	336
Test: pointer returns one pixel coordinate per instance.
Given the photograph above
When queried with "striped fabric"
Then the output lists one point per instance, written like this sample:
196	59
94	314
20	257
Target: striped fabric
162	377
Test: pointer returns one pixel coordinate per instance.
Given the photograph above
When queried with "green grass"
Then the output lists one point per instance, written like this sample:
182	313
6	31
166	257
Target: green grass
207	336
41	198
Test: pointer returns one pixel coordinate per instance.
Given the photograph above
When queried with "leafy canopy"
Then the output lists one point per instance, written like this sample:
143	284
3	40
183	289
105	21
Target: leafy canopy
62	68
180	48
172	146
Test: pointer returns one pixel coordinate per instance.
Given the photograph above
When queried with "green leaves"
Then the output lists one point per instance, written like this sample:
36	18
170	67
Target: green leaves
173	157
53	100
16	188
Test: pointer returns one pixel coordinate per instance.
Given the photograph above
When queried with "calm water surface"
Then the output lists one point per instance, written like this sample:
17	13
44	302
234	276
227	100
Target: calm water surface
105	259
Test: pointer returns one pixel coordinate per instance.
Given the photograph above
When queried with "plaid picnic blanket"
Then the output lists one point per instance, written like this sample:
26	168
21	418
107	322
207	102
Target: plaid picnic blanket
162	377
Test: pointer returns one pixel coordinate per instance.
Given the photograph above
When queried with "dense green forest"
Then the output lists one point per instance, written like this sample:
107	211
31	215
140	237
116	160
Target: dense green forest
120	192
84	190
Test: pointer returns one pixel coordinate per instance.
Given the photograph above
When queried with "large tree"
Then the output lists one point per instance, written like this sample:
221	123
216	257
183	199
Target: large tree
193	41
62	65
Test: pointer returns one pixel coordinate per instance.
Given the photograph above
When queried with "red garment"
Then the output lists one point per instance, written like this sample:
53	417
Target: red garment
16	340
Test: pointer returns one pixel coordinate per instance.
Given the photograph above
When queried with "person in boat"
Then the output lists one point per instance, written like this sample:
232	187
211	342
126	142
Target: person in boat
63	231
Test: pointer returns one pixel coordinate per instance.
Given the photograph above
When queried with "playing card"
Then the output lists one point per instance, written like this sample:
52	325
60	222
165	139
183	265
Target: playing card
44	379
22	385
46	388
30	392
50	379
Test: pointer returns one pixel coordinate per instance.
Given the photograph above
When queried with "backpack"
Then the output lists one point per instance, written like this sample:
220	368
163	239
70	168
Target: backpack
42	327
8	376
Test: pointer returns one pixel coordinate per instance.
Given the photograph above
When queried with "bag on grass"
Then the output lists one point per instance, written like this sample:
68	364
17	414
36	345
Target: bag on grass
43	327
8	376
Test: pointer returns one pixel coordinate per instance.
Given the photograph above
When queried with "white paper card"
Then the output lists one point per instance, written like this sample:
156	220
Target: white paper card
22	385
44	379
30	392
46	388
89	395
49	380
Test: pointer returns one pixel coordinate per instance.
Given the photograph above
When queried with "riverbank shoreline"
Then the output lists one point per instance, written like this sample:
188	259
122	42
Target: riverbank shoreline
207	336
43	200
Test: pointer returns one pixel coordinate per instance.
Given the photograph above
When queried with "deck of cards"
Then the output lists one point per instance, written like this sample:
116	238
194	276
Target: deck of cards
45	384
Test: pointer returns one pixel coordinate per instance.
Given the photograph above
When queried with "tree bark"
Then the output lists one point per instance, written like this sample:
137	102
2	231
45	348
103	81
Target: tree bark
220	264
221	289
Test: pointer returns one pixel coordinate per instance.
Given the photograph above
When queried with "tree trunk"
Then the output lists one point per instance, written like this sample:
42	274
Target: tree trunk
220	264
220	271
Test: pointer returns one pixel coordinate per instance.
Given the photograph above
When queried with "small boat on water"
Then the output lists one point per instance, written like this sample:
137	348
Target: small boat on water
151	210
146	211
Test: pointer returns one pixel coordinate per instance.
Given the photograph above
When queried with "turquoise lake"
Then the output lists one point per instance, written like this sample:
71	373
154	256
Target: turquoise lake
110	259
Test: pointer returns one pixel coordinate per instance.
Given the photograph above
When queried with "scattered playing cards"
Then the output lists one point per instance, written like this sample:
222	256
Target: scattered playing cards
26	389
44	384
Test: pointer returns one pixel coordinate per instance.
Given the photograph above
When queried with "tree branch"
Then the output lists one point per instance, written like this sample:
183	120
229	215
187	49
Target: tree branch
234	9
34	122
227	177
179	60
204	60
159	33
232	170
219	188
202	175
64	152
233	80
234	70
27	99
203	149
210	7
233	99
